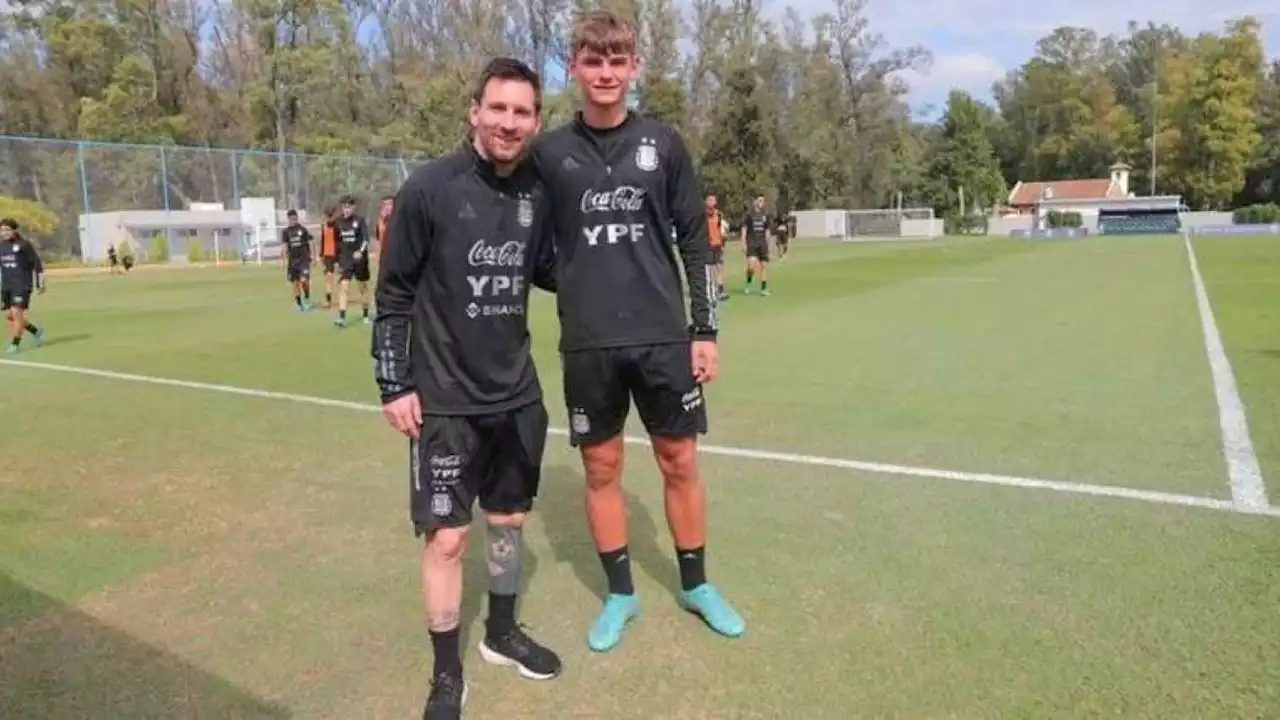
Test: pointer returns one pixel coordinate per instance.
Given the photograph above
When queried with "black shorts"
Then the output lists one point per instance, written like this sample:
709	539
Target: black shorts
19	298
457	459
299	270
599	386
716	256
357	270
330	264
758	250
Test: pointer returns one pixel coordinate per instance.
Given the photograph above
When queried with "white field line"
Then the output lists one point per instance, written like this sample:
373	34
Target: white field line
1150	496
1247	489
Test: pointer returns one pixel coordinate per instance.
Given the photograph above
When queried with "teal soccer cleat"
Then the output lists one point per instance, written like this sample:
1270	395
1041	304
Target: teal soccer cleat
606	633
706	601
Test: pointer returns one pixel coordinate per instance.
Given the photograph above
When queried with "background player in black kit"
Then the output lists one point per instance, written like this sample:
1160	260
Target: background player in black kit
353	259
616	181
468	234
755	241
297	258
21	272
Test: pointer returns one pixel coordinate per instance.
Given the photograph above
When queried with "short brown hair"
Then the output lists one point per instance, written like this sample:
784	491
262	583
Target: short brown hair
603	32
505	68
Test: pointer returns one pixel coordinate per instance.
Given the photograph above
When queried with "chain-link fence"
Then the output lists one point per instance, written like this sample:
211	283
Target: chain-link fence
74	179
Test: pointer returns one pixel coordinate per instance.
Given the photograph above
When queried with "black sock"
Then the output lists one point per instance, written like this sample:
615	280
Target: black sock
502	614
297	300
365	312
750	276
307	293
328	298
617	568
342	314
447	656
693	567
16	341
764	284
31	328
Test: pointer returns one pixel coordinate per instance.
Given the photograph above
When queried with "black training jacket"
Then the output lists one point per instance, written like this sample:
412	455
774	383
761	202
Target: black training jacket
463	246
20	266
297	243
352	235
615	196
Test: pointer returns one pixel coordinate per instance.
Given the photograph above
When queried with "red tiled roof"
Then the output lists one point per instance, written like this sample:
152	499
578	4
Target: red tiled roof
1030	193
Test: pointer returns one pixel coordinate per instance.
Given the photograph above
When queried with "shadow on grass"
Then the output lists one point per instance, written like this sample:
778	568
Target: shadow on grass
560	503
1273	354
57	662
64	339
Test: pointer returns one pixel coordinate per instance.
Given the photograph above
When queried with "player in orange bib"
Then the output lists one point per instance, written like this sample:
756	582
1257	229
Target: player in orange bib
328	254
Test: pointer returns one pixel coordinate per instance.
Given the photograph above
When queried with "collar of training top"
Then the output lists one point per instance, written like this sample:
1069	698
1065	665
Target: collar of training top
580	122
485	167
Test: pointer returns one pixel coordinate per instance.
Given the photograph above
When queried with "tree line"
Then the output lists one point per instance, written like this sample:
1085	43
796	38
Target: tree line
811	111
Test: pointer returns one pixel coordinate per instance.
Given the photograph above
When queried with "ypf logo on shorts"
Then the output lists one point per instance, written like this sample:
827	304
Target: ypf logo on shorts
691	400
446	470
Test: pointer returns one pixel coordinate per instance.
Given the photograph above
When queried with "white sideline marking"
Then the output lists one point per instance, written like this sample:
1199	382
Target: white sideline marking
1150	496
1247	489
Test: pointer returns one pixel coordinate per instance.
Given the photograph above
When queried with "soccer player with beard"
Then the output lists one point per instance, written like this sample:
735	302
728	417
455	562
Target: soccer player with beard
297	244
353	259
451	350
617	181
21	272
755	241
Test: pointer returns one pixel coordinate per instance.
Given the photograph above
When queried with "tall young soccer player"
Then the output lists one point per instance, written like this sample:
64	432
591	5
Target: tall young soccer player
297	243
385	208
617	181
755	241
21	272
452	361
715	239
329	253
353	260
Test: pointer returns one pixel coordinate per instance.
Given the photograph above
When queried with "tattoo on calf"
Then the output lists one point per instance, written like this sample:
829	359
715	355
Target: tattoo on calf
503	556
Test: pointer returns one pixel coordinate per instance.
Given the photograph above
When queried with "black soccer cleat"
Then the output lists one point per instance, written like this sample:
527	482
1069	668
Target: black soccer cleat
518	650
448	695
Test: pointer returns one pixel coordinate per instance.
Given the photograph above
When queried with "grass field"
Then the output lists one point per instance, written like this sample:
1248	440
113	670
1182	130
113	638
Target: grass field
181	552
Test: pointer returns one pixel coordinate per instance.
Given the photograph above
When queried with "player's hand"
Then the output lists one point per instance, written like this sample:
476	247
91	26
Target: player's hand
405	414
357	255
706	361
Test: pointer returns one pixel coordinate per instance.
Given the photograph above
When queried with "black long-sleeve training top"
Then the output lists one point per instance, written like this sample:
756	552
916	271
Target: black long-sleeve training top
20	265
353	237
463	247
615	195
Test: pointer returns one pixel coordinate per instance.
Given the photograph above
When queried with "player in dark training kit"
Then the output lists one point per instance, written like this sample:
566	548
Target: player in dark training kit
755	241
451	349
353	259
21	272
297	243
617	181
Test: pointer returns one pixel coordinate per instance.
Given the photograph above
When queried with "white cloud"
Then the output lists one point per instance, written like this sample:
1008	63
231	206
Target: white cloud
972	72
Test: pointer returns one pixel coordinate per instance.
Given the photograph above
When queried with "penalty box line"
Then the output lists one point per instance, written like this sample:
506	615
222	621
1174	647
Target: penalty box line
1026	483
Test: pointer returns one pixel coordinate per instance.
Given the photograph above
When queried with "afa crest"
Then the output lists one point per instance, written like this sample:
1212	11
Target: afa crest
647	155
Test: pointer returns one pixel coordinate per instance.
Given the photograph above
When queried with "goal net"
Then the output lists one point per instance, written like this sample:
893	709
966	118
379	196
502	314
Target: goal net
895	224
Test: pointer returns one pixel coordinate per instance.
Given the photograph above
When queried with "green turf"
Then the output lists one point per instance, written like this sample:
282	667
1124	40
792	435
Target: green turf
168	552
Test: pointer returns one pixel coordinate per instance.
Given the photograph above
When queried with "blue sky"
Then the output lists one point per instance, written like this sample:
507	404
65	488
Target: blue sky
975	42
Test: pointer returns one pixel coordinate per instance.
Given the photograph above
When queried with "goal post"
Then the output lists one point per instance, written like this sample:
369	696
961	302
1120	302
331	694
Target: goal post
891	224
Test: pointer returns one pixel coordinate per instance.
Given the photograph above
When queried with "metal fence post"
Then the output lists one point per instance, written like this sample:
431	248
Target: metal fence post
84	196
235	180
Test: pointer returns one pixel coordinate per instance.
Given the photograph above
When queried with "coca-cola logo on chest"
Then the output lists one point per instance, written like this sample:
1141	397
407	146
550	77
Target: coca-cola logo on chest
625	198
509	254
